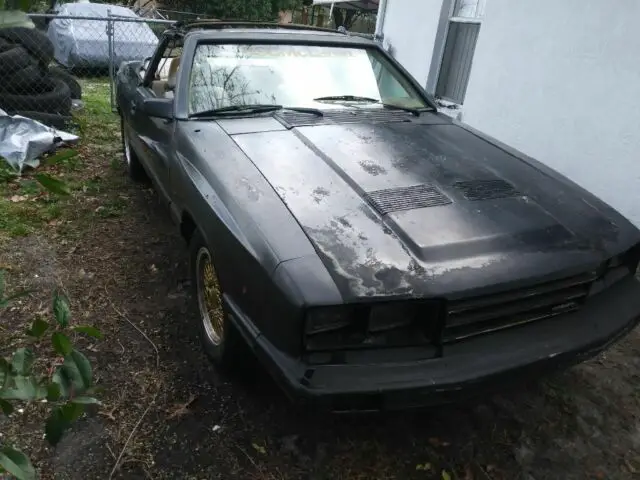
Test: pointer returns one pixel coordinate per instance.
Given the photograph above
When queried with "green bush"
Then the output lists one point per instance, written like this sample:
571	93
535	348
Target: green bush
67	387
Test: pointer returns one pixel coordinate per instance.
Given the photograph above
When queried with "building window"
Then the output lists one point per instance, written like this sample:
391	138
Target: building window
469	8
460	44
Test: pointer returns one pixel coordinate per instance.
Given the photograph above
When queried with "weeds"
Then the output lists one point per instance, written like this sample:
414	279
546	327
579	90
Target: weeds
65	382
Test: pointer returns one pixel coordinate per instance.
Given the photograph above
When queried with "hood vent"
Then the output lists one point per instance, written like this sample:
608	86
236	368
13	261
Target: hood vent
296	119
406	198
486	189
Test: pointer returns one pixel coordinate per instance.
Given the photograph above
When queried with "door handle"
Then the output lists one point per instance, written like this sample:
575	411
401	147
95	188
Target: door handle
132	107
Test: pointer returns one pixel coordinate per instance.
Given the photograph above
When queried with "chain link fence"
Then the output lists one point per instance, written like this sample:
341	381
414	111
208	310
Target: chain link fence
50	65
47	67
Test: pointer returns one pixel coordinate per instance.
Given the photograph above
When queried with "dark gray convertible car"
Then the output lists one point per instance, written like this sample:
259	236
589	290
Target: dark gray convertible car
372	252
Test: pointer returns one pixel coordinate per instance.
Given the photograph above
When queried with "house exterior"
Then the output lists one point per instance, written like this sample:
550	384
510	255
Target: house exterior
559	80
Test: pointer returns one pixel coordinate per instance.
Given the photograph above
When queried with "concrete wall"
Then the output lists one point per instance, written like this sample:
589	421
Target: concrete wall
560	80
410	28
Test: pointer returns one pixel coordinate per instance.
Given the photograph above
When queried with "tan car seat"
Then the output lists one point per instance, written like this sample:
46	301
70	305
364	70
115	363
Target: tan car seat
173	74
164	88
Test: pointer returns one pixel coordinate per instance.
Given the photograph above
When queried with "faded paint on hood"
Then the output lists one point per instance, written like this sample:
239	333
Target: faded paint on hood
323	173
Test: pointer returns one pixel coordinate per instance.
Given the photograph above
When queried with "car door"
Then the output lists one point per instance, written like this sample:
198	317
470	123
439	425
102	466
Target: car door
154	135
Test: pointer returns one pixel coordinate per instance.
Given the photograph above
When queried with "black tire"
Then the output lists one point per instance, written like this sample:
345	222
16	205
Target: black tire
134	166
61	122
34	41
55	99
70	80
12	60
4	45
231	352
28	81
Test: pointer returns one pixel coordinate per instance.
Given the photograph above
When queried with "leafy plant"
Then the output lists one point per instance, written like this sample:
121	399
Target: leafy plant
7	173
67	387
49	183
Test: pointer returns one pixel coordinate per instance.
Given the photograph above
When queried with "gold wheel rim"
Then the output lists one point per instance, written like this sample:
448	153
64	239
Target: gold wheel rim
210	298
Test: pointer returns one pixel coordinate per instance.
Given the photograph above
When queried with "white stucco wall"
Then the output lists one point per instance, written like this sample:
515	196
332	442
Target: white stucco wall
560	80
410	28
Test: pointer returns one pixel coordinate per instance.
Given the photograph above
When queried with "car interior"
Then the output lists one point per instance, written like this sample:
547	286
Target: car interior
166	77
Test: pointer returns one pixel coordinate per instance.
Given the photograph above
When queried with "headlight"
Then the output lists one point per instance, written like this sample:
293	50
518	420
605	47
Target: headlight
617	268
629	259
326	319
392	324
632	258
615	262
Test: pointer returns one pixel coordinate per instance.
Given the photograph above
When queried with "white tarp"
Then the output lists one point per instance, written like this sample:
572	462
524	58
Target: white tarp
23	140
84	43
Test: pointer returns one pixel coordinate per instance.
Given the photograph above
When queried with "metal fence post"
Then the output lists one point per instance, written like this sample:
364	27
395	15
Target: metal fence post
112	80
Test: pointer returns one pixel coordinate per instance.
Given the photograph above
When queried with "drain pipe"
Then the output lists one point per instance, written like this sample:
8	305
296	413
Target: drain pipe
382	12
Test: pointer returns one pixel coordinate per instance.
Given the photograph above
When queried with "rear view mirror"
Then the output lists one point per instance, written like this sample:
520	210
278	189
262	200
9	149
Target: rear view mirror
158	107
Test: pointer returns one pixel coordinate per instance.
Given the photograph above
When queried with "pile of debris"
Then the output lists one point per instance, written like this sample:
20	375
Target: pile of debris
29	86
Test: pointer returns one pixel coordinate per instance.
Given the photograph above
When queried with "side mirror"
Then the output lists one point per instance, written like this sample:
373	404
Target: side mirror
158	107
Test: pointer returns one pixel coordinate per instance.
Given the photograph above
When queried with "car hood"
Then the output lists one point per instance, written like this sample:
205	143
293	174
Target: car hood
425	207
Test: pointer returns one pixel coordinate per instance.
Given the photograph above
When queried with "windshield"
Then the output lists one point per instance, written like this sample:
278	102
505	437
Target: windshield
296	76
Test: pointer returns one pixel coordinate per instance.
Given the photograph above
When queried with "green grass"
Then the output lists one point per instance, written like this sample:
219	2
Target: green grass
113	207
97	117
26	207
29	187
19	218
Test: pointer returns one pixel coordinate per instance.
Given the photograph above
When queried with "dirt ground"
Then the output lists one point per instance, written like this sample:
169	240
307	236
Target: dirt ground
115	252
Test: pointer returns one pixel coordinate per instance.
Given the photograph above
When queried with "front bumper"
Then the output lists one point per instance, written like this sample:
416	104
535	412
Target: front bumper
478	364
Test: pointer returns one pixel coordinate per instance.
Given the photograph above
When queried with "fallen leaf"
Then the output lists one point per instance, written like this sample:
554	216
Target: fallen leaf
630	467
109	415
18	198
259	448
182	408
425	467
445	475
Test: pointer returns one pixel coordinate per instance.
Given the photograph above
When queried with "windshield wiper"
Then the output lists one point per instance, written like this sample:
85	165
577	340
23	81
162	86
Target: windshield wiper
415	111
256	108
346	98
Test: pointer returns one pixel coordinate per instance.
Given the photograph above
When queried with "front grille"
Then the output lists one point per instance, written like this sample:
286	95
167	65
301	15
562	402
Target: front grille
475	316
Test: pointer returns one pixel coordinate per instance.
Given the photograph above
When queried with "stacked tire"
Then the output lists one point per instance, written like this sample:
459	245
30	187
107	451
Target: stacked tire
28	85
